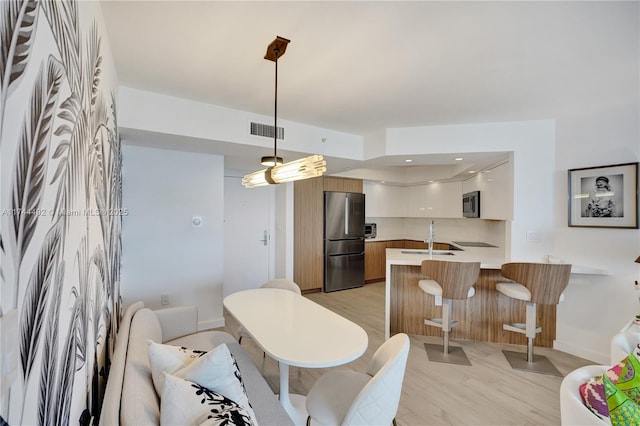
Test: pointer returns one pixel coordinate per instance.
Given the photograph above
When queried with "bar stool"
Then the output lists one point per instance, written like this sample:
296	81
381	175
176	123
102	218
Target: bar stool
448	280
535	283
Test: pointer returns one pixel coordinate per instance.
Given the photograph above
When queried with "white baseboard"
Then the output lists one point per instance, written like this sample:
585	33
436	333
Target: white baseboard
596	357
213	323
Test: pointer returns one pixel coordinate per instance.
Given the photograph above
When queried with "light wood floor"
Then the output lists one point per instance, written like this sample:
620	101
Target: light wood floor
487	393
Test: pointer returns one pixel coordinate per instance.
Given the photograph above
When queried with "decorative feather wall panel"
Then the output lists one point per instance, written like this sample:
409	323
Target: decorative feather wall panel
60	181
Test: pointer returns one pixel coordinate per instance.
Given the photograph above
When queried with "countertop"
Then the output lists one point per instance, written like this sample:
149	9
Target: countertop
489	258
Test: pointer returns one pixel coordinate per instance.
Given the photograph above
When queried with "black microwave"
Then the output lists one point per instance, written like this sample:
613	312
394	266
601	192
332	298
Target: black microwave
471	204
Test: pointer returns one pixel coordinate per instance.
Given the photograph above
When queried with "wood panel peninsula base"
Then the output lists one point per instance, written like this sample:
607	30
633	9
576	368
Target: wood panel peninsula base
481	316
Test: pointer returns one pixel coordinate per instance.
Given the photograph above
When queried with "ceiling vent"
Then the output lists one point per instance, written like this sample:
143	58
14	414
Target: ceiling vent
266	130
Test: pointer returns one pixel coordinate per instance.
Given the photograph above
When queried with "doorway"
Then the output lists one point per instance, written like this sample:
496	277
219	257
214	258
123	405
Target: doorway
248	230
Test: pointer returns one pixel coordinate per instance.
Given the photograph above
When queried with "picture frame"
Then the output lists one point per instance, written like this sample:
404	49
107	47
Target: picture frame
604	196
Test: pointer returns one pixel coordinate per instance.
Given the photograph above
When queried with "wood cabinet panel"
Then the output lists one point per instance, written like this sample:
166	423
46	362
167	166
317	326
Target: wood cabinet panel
412	244
375	261
308	257
337	184
440	246
396	244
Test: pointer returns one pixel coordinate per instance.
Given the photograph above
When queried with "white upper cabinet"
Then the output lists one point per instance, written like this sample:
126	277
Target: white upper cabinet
383	200
449	197
417	203
438	199
496	192
444	199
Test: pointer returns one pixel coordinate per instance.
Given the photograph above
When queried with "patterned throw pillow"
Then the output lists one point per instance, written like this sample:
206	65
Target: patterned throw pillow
215	370
187	403
616	394
623	394
593	394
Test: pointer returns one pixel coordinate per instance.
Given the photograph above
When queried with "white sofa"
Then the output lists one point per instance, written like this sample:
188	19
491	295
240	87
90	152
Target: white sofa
572	408
130	397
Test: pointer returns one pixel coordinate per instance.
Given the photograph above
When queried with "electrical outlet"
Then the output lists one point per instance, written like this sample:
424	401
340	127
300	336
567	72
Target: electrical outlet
533	236
164	299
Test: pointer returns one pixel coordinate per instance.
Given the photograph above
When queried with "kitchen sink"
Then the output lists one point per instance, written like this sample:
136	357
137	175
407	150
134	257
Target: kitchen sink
435	252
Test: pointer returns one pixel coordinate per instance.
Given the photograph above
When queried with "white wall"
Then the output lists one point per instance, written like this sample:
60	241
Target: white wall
596	307
161	251
154	112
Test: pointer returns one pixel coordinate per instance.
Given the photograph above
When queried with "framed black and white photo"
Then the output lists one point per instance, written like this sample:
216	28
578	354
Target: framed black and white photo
604	197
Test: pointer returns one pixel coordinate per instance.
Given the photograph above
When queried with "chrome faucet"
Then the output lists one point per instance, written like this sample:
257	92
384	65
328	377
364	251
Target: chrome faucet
432	235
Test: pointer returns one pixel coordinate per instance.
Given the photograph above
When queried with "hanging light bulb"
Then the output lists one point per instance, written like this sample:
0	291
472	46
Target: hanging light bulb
277	172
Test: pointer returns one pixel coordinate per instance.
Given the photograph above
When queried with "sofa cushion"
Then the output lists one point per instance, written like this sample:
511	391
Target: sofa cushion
215	370
139	403
184	402
203	340
110	413
264	402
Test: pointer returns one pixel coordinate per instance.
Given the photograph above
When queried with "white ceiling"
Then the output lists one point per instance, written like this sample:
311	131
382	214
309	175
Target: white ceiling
363	66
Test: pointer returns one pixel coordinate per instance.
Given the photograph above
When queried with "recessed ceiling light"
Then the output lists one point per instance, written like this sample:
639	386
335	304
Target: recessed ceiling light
431	181
458	158
408	160
472	171
383	181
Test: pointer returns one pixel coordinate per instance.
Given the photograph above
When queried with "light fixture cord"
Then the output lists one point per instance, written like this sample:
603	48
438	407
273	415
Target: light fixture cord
275	113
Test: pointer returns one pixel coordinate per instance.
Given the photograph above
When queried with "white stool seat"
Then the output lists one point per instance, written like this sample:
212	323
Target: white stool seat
514	290
518	291
432	287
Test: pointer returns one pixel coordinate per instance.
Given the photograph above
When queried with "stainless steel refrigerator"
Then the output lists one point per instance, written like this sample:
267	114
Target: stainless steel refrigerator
343	240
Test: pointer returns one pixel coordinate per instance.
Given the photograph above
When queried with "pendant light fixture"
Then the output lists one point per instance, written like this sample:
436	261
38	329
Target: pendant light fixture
276	171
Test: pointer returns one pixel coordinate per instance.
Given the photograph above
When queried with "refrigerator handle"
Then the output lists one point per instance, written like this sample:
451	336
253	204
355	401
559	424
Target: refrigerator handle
346	214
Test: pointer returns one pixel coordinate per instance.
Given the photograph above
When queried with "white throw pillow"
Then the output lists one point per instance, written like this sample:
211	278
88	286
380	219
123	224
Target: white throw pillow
187	403
169	358
216	370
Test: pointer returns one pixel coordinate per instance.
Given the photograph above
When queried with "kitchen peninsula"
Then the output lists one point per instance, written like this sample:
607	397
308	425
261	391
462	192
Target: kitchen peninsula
480	316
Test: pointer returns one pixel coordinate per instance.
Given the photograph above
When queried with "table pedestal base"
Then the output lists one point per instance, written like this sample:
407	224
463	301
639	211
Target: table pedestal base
296	409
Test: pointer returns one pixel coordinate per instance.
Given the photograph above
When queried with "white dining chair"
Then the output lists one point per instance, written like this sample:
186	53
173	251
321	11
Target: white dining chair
281	283
347	397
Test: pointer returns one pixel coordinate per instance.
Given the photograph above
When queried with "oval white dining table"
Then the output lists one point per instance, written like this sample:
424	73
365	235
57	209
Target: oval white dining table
296	331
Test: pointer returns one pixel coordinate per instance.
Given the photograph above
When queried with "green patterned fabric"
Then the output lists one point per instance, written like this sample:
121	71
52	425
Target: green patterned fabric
623	395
